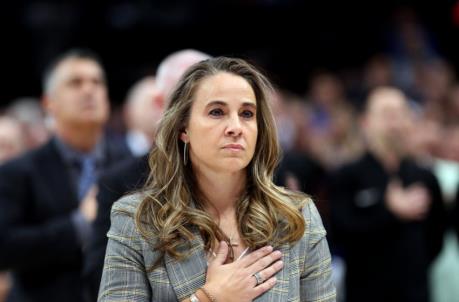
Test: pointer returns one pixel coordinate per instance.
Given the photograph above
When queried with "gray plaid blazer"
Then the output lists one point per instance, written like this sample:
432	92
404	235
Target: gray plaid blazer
306	275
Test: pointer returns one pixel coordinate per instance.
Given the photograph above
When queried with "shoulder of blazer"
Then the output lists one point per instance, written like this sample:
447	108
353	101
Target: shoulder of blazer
128	204
123	226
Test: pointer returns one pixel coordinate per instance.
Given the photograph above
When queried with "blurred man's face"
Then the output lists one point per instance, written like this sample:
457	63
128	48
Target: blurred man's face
142	112
78	94
11	139
389	120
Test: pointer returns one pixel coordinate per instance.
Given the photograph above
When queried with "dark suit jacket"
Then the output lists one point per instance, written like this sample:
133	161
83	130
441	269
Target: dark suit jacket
308	172
387	259
38	241
120	179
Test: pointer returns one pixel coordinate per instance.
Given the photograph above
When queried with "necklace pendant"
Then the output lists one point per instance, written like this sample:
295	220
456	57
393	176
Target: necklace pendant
234	243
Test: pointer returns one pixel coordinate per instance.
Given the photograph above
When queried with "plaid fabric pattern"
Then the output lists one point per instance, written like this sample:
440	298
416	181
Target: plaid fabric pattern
306	275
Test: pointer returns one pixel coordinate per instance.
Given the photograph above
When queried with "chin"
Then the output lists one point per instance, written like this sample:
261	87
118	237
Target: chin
91	122
235	166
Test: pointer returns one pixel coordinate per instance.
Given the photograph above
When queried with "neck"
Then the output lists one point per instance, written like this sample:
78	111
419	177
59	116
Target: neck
82	139
221	191
389	158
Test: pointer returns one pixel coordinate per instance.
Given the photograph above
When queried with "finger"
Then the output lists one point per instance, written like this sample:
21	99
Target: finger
423	195
420	201
264	262
265	286
222	253
419	210
255	255
93	191
268	272
394	191
418	191
424	206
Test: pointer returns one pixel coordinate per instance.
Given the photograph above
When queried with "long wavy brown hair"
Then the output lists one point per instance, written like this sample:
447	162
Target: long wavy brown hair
174	205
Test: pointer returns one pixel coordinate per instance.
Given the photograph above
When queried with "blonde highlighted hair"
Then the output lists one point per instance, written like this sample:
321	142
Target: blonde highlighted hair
173	206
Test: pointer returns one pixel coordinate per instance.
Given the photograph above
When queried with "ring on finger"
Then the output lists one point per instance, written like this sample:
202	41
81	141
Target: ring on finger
259	278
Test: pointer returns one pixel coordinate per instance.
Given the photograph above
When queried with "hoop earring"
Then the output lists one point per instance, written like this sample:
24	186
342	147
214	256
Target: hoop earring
185	154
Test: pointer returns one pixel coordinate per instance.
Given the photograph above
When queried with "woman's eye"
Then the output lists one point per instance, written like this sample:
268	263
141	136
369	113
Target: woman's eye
216	112
247	114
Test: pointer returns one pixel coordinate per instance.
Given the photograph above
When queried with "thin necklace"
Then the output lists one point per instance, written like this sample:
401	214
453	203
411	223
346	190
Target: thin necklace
231	242
240	256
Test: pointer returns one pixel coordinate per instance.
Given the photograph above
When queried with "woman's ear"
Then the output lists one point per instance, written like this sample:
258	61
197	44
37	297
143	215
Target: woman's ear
184	136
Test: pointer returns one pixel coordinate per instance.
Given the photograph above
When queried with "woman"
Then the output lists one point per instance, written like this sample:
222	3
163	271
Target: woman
210	224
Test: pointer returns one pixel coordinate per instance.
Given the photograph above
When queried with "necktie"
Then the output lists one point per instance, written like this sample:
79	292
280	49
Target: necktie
87	176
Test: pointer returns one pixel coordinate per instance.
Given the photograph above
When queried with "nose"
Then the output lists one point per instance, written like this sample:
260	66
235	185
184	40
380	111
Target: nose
90	85
234	127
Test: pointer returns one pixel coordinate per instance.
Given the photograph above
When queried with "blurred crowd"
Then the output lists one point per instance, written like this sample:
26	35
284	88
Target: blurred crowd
377	147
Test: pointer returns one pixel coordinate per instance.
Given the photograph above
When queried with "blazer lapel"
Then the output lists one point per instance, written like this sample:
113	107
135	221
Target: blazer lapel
189	274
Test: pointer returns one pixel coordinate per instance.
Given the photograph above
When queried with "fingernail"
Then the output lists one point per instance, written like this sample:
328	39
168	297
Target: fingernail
268	248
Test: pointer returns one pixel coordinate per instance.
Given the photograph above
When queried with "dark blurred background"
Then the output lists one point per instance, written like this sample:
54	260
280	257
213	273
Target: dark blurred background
288	38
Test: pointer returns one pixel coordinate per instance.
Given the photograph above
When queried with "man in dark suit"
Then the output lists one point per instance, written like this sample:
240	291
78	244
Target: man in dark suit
47	198
387	211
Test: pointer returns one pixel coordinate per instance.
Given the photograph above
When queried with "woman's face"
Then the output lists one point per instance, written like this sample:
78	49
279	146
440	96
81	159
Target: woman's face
222	129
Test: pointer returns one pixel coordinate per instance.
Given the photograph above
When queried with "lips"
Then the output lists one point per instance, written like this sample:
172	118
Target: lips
235	147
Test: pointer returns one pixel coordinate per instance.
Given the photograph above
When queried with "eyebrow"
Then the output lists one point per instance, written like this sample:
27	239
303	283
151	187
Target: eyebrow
244	104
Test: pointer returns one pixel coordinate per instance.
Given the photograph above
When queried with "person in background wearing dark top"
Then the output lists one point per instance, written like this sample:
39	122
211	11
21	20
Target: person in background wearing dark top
47	199
297	170
12	144
300	172
131	174
387	212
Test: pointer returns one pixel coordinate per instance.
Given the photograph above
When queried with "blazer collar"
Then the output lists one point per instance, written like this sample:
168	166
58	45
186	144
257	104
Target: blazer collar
189	274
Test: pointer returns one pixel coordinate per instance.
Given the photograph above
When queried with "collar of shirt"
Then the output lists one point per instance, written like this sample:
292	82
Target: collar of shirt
72	156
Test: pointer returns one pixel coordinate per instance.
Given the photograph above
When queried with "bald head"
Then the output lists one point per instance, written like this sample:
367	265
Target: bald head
384	98
141	113
11	138
171	69
148	98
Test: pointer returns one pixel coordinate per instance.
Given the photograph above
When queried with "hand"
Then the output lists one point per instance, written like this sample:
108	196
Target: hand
88	207
410	204
235	281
